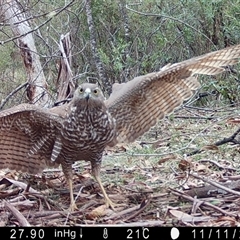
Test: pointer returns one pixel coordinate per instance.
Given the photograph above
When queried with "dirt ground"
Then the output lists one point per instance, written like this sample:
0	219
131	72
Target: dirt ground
184	172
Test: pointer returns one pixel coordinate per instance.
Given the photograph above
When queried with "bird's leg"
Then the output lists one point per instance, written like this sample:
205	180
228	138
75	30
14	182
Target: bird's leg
96	166
73	205
67	170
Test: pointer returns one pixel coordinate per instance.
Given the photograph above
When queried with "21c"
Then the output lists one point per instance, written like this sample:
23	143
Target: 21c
138	234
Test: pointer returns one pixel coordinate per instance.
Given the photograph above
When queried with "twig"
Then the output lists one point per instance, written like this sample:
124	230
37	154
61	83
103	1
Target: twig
117	215
209	190
155	142
215	184
46	213
189	198
12	93
229	139
172	18
47	170
235	178
79	192
194	117
146	203
40	196
218	165
230	108
21	219
51	15
218	143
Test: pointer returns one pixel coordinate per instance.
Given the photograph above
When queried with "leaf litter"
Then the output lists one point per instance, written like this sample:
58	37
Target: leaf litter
173	175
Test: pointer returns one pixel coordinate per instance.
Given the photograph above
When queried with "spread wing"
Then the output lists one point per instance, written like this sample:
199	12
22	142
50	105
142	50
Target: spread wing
138	104
27	136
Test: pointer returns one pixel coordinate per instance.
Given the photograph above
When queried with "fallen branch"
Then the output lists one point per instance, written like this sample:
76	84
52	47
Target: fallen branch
211	191
218	164
143	205
20	184
215	184
220	142
194	117
118	215
46	200
47	213
189	198
20	218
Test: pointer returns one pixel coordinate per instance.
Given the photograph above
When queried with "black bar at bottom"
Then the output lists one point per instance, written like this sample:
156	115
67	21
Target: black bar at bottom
111	233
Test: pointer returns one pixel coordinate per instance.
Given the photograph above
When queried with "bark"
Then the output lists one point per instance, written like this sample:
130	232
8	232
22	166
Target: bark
64	82
37	85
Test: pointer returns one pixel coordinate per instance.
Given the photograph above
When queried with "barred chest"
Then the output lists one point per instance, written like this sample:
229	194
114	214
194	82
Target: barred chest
88	129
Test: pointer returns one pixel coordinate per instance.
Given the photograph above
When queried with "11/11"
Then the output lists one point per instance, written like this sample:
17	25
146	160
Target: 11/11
213	233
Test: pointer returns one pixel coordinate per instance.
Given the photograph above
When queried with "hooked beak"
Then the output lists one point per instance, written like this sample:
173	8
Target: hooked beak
87	93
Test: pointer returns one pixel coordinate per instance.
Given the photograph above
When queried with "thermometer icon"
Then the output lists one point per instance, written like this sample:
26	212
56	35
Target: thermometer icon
105	233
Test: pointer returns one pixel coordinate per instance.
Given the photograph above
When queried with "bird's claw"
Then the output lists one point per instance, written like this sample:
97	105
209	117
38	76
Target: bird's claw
113	206
72	207
110	204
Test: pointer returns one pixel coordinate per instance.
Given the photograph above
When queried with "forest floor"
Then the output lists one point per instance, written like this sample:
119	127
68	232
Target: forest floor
156	181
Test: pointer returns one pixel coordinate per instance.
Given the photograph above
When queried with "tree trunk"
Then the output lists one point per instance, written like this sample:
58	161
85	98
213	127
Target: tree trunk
126	54
64	82
37	85
102	77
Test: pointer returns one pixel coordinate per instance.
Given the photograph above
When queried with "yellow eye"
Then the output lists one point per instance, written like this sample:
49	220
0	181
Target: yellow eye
81	90
95	91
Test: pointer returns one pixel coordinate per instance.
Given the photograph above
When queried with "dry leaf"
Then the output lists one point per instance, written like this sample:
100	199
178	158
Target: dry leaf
188	218
185	165
233	120
98	212
211	147
229	219
200	167
167	158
